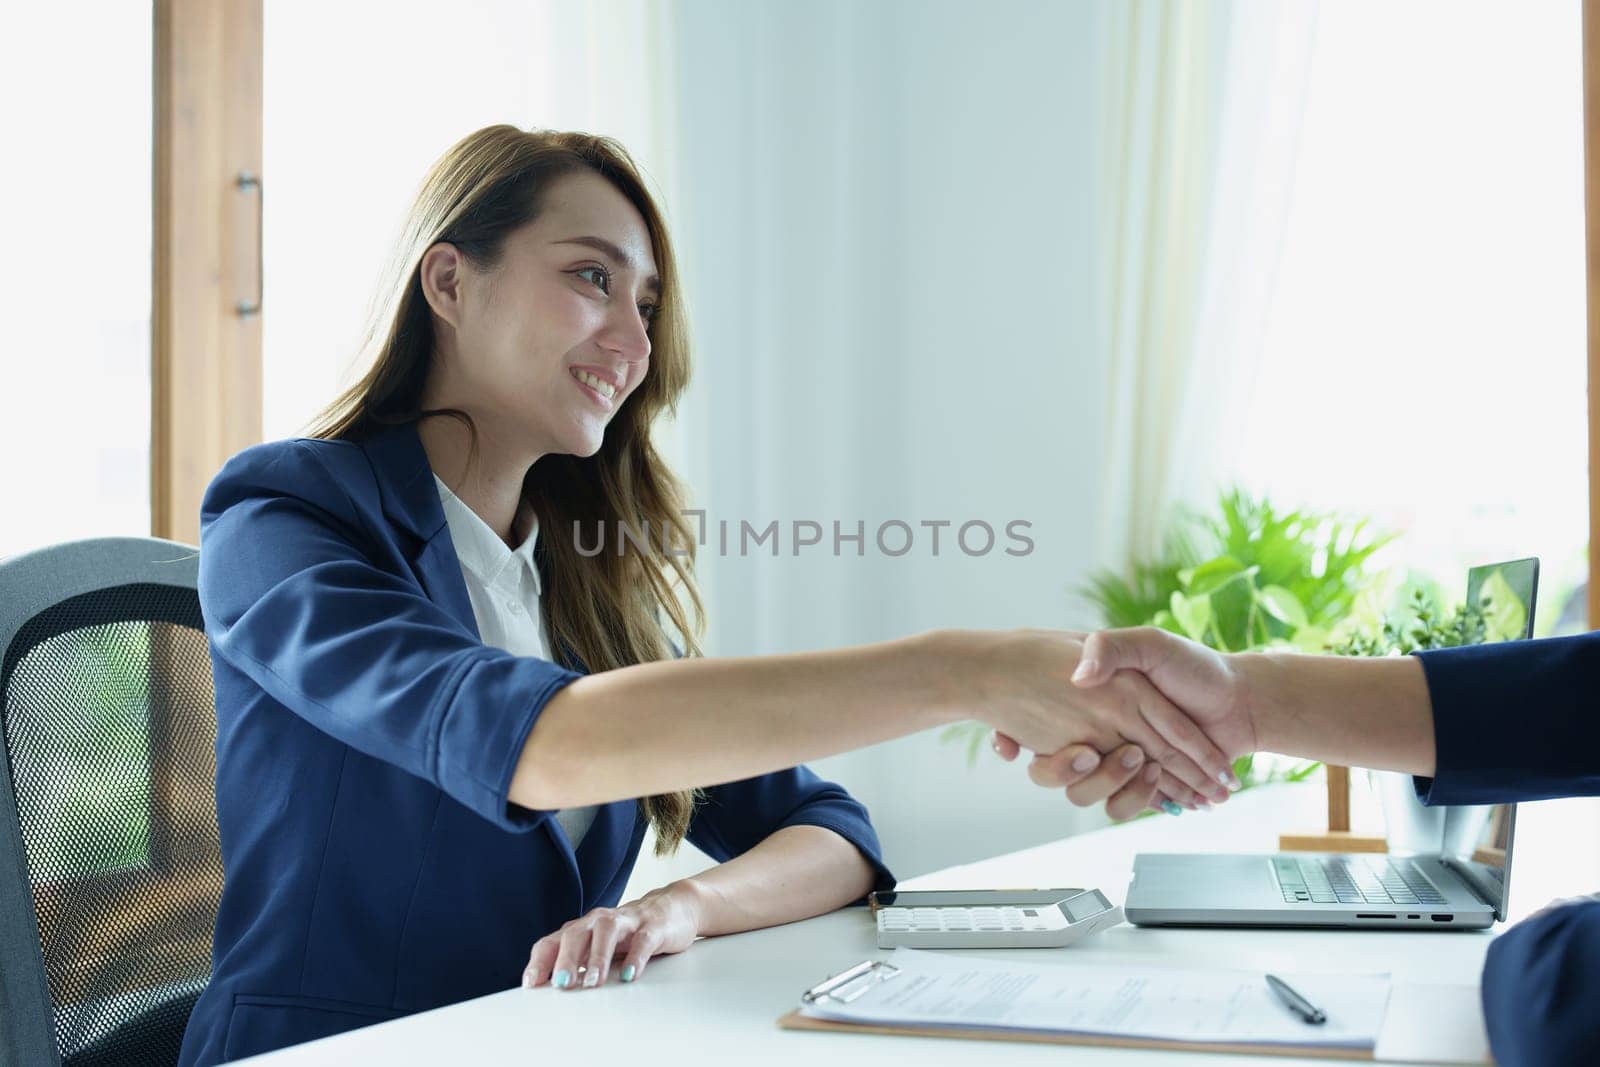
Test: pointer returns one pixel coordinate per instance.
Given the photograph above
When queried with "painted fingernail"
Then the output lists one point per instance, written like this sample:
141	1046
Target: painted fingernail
591	978
562	979
1133	757
1229	779
1085	669
627	973
1170	808
1084	761
527	979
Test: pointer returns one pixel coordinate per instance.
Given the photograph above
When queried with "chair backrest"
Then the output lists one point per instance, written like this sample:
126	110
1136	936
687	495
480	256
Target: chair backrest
110	871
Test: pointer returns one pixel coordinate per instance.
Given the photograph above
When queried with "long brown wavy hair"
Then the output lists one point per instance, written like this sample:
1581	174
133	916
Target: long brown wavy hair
605	610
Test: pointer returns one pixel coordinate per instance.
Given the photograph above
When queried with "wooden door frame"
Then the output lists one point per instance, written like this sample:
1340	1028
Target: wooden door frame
205	349
1591	205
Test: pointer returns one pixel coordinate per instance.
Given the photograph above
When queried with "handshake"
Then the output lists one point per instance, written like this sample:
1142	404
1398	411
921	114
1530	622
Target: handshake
1143	718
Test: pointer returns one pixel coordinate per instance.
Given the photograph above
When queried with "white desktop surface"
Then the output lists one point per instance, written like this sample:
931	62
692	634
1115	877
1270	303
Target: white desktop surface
718	1002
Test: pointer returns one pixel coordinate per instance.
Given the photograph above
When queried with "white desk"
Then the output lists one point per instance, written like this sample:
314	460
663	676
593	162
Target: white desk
718	1001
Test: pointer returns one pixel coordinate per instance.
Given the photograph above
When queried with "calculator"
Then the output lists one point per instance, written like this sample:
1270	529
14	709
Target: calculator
991	918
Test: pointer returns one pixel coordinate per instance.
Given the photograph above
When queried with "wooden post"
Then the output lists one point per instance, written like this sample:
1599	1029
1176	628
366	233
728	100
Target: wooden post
1591	203
1338	799
205	350
1338	837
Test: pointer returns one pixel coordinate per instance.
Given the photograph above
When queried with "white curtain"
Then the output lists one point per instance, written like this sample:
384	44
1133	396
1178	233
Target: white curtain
886	226
1203	111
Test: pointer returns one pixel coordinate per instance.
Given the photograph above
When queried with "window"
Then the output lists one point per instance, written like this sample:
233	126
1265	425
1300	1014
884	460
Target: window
75	284
1425	354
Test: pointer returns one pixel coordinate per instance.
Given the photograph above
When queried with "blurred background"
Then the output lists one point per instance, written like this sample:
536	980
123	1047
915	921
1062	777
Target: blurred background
1079	264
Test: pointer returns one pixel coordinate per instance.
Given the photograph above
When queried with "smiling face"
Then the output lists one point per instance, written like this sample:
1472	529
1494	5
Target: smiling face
545	346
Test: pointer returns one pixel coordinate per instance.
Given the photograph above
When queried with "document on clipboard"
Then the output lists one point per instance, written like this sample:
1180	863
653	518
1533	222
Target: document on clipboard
929	991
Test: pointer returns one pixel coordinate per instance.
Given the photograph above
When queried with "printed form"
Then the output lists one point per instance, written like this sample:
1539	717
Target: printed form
1197	1005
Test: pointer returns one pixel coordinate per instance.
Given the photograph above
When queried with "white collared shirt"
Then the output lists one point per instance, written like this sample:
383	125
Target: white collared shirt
503	586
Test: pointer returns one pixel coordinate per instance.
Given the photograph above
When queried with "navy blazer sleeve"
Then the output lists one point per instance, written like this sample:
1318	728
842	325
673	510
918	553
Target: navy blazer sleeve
1517	721
1539	987
1514	721
734	818
293	598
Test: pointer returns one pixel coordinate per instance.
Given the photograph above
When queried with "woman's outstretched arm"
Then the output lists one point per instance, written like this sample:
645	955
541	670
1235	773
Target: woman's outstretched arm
661	727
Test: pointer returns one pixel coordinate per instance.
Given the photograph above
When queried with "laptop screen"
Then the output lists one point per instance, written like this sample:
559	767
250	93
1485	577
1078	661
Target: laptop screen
1477	838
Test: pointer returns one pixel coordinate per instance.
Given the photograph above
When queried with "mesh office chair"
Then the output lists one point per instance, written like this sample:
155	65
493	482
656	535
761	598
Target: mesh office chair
109	867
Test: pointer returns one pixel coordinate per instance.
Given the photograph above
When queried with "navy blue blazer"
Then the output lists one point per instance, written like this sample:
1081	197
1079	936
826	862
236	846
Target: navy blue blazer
366	740
1513	722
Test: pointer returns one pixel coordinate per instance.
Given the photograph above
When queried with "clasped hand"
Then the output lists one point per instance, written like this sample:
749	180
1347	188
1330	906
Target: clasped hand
1152	720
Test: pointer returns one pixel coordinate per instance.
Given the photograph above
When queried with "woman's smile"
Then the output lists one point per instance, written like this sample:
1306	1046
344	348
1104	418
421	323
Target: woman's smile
601	392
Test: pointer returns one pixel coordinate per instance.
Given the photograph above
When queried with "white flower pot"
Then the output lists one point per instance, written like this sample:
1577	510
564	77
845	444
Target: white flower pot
1411	828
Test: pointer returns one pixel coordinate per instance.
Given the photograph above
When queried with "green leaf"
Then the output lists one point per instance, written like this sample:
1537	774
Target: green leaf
1167	621
1193	613
1505	616
1311	639
1284	606
1243	769
973	734
1133	599
1234	613
1216	573
1302	772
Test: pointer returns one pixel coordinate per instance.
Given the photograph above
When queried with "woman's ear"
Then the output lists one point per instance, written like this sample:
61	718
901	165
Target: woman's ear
441	274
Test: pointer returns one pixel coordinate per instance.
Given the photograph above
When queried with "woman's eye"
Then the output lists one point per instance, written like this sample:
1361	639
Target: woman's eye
647	311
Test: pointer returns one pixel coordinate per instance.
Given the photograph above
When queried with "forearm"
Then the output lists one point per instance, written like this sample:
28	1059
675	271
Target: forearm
663	727
795	873
1356	712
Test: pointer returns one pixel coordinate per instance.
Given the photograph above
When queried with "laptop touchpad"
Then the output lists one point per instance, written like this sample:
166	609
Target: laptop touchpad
1204	881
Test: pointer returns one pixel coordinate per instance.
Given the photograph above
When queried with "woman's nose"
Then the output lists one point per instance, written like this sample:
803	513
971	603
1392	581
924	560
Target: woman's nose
626	335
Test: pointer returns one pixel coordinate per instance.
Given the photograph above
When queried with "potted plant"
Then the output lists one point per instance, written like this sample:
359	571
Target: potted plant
1493	612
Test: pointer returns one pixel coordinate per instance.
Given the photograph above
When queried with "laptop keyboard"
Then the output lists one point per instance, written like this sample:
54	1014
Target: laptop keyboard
1353	880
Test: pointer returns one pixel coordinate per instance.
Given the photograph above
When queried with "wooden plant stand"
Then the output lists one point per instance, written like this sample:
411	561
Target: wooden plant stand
1338	837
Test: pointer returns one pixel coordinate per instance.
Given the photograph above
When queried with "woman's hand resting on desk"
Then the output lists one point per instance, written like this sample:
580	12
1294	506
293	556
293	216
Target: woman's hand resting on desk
580	954
1201	685
793	873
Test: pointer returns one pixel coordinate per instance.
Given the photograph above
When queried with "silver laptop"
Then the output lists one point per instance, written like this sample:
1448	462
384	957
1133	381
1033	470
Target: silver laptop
1461	884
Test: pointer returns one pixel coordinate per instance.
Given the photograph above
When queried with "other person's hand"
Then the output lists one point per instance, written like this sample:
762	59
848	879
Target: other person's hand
580	955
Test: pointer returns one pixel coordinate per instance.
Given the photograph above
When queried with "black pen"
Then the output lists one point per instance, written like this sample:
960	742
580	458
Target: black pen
1296	1003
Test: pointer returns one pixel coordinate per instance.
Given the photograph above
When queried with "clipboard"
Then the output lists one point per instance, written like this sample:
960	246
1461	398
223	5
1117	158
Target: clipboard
856	981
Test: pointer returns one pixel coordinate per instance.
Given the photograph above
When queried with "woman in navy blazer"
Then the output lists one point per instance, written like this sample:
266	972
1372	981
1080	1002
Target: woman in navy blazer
389	785
1484	724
